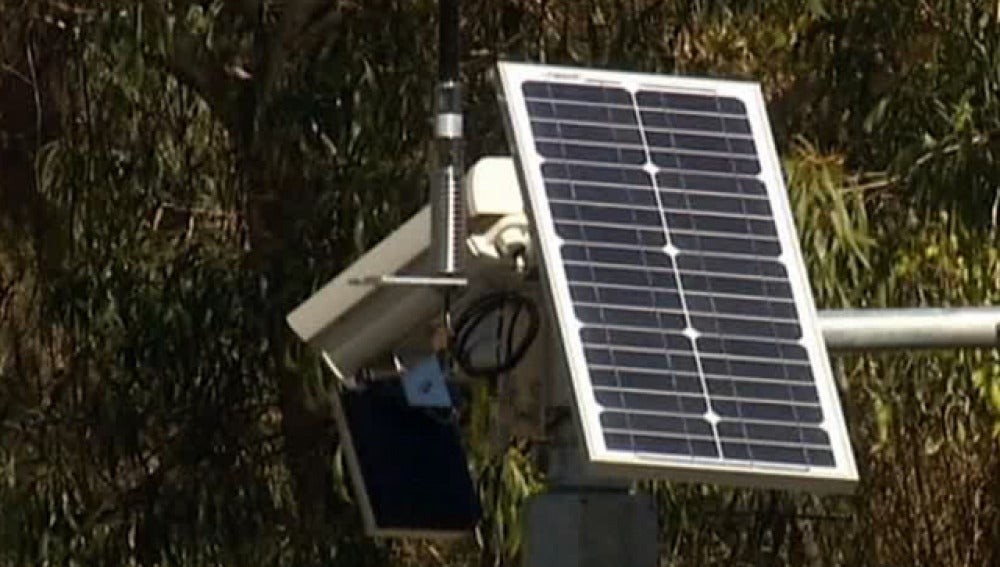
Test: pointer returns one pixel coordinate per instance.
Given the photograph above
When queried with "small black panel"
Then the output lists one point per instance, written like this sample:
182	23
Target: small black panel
413	467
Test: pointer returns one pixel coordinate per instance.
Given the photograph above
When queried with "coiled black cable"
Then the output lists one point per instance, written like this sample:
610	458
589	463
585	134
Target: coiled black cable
511	355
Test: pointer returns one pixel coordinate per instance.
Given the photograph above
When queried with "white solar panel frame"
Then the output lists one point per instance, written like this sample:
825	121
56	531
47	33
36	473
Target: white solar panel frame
604	461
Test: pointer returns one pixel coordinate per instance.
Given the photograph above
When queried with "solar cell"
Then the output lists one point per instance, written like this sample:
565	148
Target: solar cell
670	257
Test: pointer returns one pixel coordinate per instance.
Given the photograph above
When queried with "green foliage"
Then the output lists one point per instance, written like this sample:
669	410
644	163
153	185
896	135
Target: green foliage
832	220
506	483
174	176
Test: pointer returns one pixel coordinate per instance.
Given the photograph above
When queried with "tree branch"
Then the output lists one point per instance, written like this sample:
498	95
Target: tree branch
187	58
316	24
276	51
250	9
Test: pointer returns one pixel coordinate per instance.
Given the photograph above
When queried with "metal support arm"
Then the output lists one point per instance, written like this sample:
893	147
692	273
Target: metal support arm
856	330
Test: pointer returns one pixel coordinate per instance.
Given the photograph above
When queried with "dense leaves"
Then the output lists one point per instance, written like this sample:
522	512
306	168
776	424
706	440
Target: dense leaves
174	176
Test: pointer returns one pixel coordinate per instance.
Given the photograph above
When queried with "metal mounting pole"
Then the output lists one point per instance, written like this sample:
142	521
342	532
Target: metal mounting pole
580	520
856	330
581	523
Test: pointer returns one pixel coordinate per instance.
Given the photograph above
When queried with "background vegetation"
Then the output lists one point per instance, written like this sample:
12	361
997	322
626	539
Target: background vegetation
175	175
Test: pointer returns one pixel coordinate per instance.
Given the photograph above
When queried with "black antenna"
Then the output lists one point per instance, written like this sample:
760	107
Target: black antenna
447	200
447	204
448	38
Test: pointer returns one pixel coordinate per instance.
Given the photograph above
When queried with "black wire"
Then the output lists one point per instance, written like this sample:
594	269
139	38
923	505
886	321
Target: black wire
498	339
509	343
471	319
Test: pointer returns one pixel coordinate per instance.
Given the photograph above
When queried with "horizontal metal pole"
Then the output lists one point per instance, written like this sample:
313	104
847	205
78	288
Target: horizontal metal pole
857	330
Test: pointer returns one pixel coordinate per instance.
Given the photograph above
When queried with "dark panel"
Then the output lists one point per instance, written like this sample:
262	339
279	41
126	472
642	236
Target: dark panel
614	176
581	113
412	464
722	325
677	200
665	140
650	379
592	153
586	133
705	222
620	276
820	458
645	423
617	357
646	338
692	102
722	184
770	370
652	402
700	282
772	432
661	445
731	245
754	389
610	235
766	411
758	308
576	93
628	297
586	192
651	257
594	214
705	163
754	348
694	122
630	318
732	265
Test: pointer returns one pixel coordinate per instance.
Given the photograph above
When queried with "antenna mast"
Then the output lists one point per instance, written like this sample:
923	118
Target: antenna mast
447	205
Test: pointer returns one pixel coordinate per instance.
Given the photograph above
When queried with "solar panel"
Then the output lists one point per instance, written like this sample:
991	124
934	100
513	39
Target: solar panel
409	469
671	260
